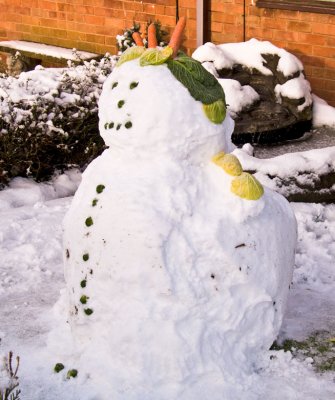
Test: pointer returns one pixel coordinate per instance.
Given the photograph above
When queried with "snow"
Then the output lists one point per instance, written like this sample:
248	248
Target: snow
323	113
27	303
296	88
238	97
211	52
48	50
30	84
247	53
316	162
187	282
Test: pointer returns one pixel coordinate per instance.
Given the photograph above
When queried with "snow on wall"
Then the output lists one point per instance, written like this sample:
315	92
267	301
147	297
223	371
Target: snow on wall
48	50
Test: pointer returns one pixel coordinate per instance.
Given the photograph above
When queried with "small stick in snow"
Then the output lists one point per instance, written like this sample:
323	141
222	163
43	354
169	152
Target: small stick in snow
137	39
177	35
152	39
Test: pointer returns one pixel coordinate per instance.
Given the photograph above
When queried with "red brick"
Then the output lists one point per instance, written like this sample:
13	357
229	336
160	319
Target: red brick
76	36
221	17
216	27
95	38
94	19
328	52
260	33
322	18
326	29
289	36
299	26
48	5
14	17
312	39
300	48
115	23
23	28
279	43
329	73
217	5
50	23
134	5
274	23
116	4
187	3
287	14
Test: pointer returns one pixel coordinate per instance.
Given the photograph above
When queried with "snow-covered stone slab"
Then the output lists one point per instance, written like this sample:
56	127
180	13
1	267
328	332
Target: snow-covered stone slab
34	50
307	176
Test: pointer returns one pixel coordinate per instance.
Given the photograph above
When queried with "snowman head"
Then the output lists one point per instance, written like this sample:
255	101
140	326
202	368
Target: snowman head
158	100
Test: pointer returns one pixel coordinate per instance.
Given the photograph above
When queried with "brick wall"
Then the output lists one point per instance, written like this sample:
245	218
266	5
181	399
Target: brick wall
90	25
309	36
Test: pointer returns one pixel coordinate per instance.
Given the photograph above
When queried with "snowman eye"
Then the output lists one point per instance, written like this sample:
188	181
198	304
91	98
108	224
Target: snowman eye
133	85
120	104
114	84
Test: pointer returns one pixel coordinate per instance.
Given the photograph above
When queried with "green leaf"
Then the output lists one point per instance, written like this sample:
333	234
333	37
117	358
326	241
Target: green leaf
100	188
215	112
89	221
72	373
229	163
247	187
201	84
83	299
58	367
130	54
155	56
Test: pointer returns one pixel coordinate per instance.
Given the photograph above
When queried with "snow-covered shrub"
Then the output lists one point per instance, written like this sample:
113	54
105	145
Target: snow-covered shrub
49	119
125	40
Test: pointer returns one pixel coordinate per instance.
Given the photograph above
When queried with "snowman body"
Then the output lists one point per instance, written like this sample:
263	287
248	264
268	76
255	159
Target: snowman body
173	281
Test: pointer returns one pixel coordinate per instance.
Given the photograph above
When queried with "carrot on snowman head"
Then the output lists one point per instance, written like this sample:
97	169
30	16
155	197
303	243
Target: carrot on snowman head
175	40
201	84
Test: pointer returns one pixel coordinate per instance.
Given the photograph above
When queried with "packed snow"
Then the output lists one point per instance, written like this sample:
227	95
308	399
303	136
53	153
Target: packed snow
119	301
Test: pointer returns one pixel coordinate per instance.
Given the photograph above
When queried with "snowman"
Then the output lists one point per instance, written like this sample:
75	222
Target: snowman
177	263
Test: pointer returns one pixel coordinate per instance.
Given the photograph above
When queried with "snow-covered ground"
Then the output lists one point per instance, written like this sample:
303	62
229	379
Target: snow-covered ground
31	271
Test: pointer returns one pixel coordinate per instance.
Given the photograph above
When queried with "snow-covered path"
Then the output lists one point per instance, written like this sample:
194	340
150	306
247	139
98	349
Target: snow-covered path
31	274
